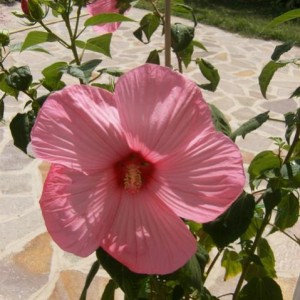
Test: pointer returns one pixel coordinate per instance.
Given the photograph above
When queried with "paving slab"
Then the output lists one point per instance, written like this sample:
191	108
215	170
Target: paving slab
31	264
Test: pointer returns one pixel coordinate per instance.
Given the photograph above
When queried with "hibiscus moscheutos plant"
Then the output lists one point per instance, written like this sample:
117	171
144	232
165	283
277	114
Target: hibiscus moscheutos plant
127	166
96	7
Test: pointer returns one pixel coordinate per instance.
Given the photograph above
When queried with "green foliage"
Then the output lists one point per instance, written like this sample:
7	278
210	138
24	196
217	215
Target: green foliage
20	128
233	223
250	125
100	44
109	291
19	78
231	261
4	38
264	288
37	37
148	26
210	73
182	35
219	120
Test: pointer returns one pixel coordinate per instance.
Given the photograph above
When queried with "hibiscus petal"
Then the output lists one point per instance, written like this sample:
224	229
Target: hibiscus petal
147	237
78	208
201	182
79	127
104	6
160	110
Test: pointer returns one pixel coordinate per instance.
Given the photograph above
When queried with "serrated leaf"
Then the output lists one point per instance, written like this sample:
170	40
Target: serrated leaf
263	288
100	44
106	18
263	162
267	74
250	125
266	255
210	73
287	212
280	49
290	15
219	120
231	261
109	291
84	71
37	37
233	223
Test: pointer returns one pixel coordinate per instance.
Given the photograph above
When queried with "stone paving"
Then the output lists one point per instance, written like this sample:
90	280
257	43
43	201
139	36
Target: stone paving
31	265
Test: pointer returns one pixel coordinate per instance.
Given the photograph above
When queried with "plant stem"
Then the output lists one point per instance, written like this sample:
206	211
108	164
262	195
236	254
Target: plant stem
285	233
247	263
179	61
167	29
292	148
213	263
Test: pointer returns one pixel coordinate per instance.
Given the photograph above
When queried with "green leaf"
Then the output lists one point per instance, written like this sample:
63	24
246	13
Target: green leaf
4	38
255	224
210	73
83	71
153	57
53	74
20	128
290	15
264	288
219	120
4	87
290	122
271	199
287	212
131	283
250	125
262	163
186	54
233	223
290	172
231	261
92	273
199	45
37	37
296	92
184	7
100	44
267	74
280	49
111	71
19	78
266	255
181	35
18	46
148	26
106	18
109	291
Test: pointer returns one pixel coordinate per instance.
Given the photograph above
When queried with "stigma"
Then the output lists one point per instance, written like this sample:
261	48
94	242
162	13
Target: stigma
133	179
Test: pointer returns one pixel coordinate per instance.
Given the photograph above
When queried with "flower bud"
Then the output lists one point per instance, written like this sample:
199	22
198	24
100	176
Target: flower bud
24	6
4	38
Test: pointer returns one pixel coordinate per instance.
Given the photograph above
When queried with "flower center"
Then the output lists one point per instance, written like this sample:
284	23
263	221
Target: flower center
133	172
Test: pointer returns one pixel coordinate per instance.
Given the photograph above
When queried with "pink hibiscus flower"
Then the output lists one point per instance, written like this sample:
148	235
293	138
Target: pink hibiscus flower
97	7
127	166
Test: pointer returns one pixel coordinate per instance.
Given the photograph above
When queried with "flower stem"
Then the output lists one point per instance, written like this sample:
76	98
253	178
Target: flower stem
247	263
213	263
292	148
167	29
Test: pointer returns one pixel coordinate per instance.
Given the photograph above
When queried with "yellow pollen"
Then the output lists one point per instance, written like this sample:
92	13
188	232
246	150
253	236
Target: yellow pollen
133	179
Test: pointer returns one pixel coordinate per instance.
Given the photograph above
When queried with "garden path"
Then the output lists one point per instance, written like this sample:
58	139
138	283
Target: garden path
31	265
